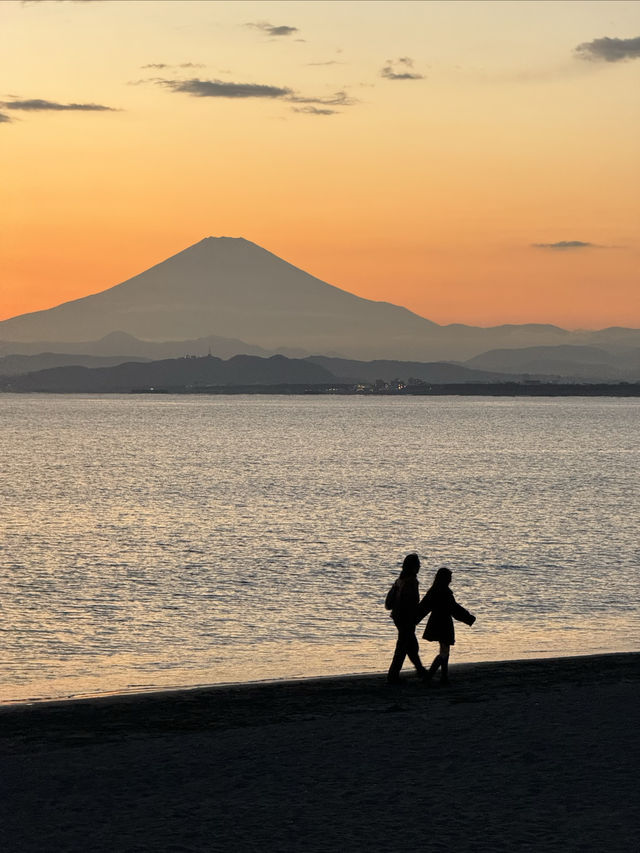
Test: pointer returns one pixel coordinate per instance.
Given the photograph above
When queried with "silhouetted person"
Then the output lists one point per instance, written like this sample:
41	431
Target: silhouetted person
404	612
443	607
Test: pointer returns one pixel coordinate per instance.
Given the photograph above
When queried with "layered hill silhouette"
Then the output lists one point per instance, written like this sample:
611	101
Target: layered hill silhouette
14	365
252	374
233	289
570	362
177	373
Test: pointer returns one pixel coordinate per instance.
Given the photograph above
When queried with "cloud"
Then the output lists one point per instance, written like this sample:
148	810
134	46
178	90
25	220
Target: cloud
338	99
566	244
400	69
311	105
271	30
329	62
315	111
609	50
39	105
220	89
5	119
159	66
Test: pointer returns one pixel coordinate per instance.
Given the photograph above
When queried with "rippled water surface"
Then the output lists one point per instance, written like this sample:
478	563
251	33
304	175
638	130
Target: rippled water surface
175	540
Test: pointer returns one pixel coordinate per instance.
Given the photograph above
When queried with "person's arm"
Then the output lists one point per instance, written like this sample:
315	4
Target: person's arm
458	612
424	607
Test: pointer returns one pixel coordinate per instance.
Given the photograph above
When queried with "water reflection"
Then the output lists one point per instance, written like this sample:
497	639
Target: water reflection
186	540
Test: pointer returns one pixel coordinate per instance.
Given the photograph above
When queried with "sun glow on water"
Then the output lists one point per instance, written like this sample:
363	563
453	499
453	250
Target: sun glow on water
180	541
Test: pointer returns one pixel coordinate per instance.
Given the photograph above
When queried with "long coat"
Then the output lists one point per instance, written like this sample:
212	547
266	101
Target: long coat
443	607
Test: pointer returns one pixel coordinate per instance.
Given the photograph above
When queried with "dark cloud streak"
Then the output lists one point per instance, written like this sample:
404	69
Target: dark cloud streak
220	89
339	99
39	105
272	30
400	69
565	244
609	49
315	111
5	119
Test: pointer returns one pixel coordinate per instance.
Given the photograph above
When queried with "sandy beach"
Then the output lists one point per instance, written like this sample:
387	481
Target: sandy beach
538	755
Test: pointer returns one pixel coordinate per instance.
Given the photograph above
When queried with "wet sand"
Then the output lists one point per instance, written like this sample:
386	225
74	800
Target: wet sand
537	755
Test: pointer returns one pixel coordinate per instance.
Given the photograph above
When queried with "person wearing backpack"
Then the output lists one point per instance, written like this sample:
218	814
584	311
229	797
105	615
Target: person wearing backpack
403	599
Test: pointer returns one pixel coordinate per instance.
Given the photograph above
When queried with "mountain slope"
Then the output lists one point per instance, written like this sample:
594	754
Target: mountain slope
222	286
232	289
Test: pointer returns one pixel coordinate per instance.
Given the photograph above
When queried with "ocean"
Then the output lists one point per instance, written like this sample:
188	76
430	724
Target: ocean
162	541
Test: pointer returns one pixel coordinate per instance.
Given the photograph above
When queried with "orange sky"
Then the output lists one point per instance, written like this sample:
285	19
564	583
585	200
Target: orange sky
435	155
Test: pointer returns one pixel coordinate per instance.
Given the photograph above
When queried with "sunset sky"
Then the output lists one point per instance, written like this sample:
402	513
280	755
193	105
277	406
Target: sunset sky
476	162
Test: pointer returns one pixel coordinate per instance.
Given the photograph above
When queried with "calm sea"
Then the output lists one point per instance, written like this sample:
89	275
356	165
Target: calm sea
155	541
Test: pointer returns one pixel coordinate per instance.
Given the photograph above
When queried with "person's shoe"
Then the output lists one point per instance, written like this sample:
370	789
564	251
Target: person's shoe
424	675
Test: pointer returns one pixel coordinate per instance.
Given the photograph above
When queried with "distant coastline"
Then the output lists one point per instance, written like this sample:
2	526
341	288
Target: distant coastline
466	389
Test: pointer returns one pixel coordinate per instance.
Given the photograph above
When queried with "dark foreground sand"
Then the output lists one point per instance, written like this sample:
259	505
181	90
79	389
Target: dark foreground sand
530	755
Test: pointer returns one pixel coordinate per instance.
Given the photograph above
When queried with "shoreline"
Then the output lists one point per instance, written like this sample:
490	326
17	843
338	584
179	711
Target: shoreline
597	389
273	693
528	755
157	692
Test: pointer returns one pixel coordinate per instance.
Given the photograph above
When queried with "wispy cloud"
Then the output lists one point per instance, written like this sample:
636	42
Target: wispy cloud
329	62
315	111
271	30
39	105
609	49
566	244
312	105
4	119
400	69
159	66
338	99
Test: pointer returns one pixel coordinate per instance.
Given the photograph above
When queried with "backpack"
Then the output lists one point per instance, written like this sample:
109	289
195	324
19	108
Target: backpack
390	600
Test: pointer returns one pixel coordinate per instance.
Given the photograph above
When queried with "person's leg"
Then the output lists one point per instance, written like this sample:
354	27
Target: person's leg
413	651
441	660
444	662
435	666
398	658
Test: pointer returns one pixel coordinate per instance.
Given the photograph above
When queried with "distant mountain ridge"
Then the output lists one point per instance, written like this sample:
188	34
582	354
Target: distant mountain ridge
172	373
348	370
14	365
121	343
570	362
194	373
230	288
